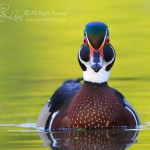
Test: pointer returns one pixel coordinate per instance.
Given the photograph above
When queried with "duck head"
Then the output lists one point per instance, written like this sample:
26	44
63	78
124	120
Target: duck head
96	56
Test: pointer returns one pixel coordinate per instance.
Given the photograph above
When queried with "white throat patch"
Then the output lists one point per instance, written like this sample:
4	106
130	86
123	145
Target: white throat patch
96	77
91	76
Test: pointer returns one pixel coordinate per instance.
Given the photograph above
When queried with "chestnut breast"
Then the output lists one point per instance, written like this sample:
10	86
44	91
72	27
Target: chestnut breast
95	106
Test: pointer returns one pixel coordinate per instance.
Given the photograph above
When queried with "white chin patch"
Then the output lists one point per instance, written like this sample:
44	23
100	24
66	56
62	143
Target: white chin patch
91	76
95	77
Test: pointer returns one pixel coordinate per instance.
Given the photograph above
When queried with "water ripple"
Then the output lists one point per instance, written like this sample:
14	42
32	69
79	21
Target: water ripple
22	125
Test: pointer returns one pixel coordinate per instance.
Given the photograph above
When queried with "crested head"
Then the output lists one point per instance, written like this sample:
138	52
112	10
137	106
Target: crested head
95	32
96	56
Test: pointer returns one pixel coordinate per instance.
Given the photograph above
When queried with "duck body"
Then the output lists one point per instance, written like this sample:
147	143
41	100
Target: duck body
87	106
93	105
96	106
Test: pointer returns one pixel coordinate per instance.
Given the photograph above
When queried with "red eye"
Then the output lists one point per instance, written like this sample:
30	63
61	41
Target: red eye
107	40
85	41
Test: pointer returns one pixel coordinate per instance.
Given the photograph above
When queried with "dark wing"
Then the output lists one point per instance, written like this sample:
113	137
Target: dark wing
64	94
127	106
119	95
61	98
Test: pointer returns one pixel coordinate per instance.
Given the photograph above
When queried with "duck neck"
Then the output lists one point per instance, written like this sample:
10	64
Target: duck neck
95	84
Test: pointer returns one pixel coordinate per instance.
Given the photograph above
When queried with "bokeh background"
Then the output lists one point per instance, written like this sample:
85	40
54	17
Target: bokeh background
39	51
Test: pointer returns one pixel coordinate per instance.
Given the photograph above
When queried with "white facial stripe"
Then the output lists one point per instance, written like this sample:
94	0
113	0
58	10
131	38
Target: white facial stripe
80	57
105	36
112	58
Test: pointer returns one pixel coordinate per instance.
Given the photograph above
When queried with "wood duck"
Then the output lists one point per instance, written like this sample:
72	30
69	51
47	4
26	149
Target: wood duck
93	104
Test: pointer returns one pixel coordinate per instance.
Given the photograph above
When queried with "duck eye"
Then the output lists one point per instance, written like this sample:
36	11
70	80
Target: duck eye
85	41
107	40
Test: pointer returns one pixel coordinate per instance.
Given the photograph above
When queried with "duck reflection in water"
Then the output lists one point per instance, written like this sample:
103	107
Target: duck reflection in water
106	139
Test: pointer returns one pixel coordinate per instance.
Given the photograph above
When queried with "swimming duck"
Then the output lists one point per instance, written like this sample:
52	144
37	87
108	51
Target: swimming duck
93	104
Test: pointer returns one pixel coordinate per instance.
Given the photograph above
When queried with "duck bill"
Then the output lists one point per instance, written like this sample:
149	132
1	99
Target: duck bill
96	60
96	67
96	57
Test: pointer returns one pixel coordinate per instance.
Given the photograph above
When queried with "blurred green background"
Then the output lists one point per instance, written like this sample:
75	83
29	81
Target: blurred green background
39	51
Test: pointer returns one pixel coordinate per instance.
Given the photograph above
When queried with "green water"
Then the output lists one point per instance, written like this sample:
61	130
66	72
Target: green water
38	51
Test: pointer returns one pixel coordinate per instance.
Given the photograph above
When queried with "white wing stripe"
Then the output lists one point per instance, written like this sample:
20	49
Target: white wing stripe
133	114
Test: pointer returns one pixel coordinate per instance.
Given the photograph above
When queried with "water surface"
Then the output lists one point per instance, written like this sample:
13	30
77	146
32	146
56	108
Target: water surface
27	136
